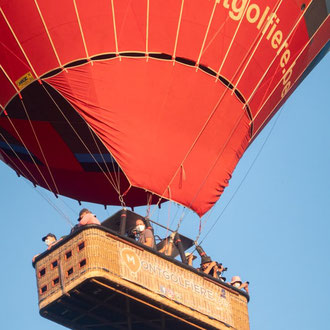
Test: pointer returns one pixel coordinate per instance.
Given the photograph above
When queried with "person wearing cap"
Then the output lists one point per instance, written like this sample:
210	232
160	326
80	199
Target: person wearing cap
211	267
86	217
50	240
146	235
237	283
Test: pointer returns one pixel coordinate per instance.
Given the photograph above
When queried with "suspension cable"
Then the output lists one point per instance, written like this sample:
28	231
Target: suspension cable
32	158
17	156
39	145
210	115
116	180
18	170
243	179
81	140
217	104
274	89
277	53
57	209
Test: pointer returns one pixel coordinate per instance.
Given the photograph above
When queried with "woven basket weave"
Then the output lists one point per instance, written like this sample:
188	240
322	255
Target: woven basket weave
97	254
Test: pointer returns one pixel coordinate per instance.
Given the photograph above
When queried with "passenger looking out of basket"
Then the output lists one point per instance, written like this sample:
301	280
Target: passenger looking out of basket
237	283
50	240
146	235
86	217
212	268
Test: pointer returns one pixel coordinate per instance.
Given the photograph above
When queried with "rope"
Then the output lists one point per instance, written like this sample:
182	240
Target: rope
210	116
114	27
219	155
37	167
83	143
18	170
202	225
81	31
168	218
176	214
19	44
116	180
275	88
253	44
147	31
49	37
67	205
40	148
206	33
177	32
262	78
243	180
255	48
149	199
56	208
220	99
216	34
232	40
122	202
3	111
11	82
196	139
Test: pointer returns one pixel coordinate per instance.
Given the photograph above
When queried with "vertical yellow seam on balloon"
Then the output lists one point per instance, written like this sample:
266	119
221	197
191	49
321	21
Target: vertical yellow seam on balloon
289	35
177	32
114	27
49	37
256	47
206	33
291	66
232	41
19	44
252	45
147	31
12	83
217	32
81	30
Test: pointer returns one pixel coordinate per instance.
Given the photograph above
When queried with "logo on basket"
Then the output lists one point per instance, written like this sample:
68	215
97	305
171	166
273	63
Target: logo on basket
131	259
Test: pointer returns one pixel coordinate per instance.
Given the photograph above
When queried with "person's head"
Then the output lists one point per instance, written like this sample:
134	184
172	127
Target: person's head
140	225
82	213
205	262
189	255
49	239
236	281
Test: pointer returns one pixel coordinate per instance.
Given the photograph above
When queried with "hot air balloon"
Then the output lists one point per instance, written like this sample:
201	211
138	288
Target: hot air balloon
133	103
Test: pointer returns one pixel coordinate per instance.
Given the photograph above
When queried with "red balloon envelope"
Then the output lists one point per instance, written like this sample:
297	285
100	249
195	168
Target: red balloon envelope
109	98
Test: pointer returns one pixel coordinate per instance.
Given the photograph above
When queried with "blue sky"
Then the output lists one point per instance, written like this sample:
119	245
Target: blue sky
272	224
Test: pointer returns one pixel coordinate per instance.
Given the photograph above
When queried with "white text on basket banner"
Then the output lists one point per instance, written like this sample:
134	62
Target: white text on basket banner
181	281
136	264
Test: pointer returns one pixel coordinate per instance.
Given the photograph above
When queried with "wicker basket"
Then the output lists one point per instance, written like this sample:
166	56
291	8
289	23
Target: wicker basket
93	266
